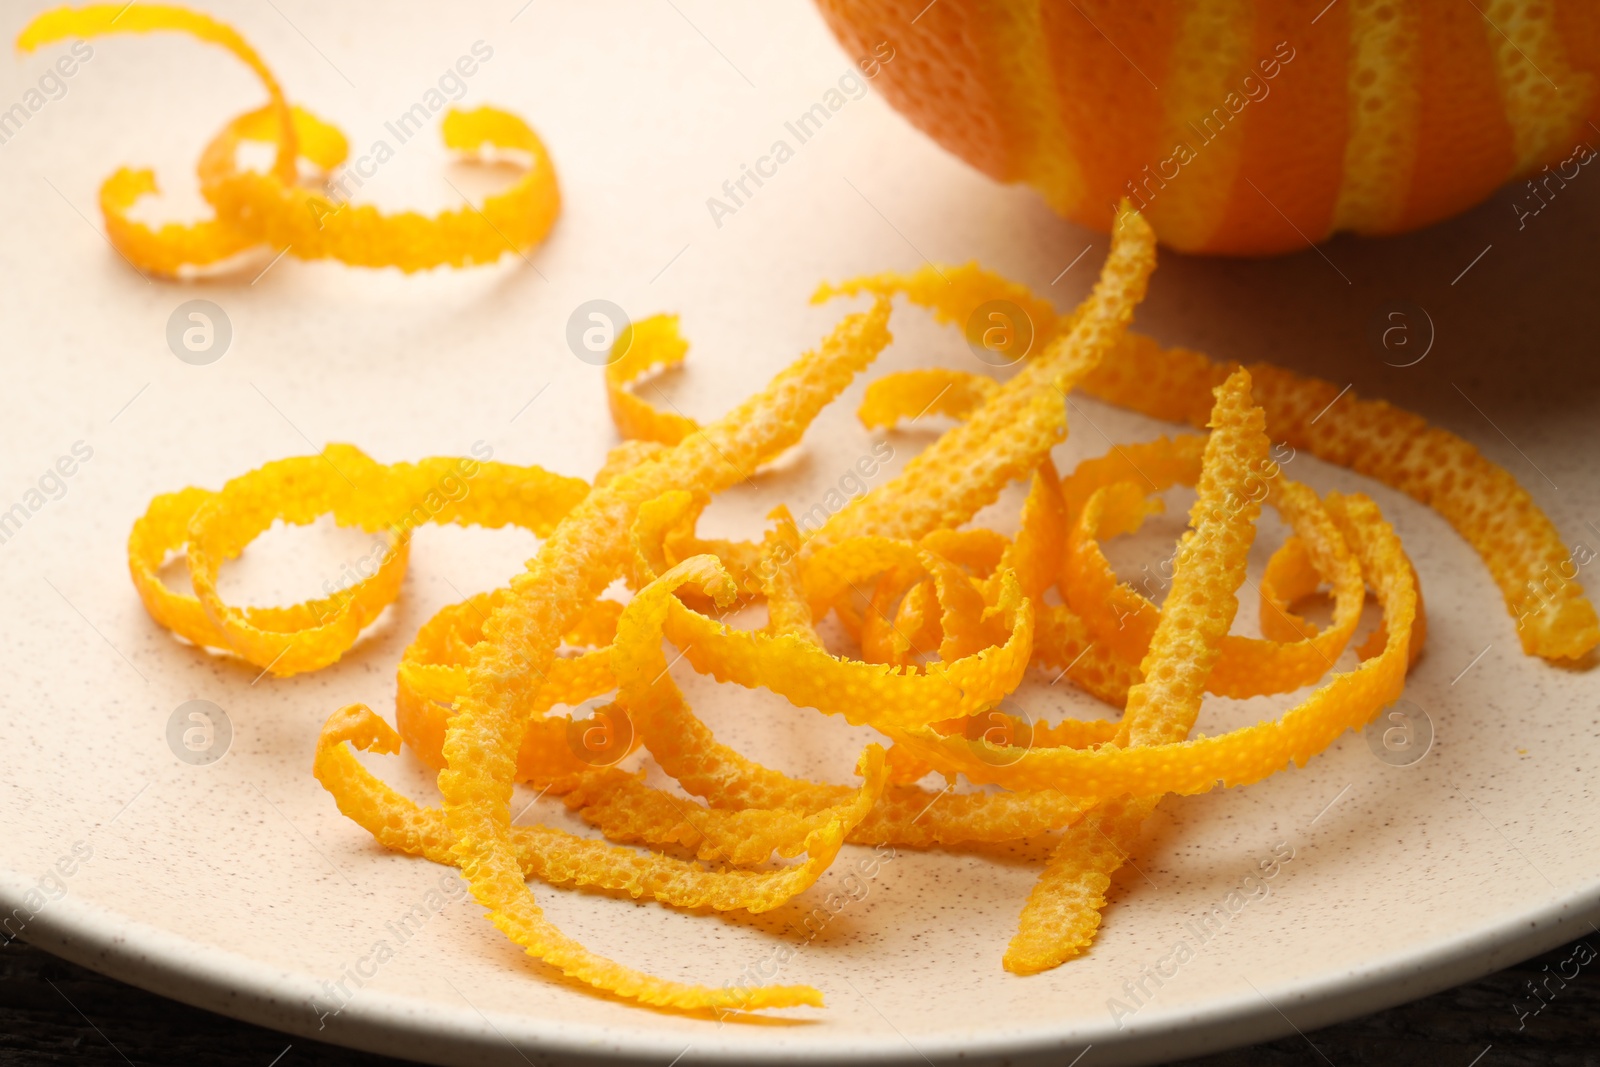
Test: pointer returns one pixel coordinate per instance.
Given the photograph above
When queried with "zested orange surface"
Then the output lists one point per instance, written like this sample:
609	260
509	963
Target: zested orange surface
946	619
1246	127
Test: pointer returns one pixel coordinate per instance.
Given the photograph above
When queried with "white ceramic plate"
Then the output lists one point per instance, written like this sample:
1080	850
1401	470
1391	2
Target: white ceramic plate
237	885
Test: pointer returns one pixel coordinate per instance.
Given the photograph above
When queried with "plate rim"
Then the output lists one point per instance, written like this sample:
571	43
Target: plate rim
230	983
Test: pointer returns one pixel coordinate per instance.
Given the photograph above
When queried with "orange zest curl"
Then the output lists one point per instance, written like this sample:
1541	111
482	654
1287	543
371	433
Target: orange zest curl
273	210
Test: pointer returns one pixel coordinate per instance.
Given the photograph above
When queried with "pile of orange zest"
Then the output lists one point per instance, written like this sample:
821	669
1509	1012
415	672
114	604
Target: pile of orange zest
1484	503
942	621
273	209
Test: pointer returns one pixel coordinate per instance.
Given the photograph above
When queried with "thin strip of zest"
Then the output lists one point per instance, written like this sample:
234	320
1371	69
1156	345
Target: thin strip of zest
98	20
1004	439
1063	910
560	858
390	500
274	208
310	224
574	565
642	349
910	394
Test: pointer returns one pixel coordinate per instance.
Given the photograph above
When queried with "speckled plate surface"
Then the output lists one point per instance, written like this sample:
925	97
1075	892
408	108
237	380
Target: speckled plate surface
236	885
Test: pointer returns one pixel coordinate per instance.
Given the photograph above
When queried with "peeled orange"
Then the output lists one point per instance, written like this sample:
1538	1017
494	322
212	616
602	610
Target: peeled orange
1247	127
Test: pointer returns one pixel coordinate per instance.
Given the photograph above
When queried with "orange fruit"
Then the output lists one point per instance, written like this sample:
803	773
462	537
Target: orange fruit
1245	127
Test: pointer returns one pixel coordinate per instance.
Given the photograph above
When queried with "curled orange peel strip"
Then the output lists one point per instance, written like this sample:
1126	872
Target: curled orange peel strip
96	20
642	349
310	224
273	208
910	394
388	501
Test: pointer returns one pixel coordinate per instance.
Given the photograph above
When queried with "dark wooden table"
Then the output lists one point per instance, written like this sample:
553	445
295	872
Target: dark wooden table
52	1012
